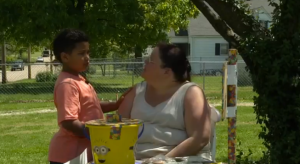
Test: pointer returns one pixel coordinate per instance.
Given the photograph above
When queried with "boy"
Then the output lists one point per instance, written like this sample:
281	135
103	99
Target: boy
75	99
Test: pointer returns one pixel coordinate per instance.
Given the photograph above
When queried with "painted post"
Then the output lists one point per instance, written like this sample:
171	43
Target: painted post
232	104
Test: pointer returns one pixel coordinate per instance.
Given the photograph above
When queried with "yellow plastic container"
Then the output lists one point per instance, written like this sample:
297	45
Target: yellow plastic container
113	139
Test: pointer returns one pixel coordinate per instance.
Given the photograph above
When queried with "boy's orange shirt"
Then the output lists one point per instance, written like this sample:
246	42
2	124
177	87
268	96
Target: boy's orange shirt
74	99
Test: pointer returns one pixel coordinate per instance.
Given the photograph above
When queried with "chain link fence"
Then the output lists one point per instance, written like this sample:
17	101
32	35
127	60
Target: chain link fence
111	77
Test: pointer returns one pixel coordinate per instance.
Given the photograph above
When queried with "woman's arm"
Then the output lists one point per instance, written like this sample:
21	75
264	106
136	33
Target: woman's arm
197	123
126	105
112	106
108	106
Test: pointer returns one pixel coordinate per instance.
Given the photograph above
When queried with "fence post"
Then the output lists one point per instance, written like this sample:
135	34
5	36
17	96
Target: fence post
203	65
29	61
232	104
4	78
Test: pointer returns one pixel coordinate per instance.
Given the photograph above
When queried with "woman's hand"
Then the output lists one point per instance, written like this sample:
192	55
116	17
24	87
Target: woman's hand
113	106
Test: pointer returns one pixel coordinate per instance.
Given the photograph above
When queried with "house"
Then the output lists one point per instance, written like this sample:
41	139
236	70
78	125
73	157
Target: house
203	43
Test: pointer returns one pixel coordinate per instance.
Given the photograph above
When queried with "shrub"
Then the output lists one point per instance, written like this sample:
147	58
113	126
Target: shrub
45	77
10	58
24	57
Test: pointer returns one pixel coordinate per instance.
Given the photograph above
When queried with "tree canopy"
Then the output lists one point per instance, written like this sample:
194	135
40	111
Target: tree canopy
272	58
112	24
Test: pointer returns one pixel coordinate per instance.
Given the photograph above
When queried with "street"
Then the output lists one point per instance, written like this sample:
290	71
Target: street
20	75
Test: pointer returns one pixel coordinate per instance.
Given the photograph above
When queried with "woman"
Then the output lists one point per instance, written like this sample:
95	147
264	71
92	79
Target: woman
175	111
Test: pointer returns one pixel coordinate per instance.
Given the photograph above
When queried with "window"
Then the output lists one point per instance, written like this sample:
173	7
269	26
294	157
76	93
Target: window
182	32
221	49
185	47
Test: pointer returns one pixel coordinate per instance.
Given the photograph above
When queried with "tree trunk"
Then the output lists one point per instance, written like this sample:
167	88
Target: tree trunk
29	61
51	59
80	10
3	61
138	51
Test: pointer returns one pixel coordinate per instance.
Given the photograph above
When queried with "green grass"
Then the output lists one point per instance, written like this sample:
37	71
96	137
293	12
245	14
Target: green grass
28	94
25	138
247	133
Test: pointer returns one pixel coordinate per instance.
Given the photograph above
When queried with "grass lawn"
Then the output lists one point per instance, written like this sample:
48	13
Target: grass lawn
25	138
28	94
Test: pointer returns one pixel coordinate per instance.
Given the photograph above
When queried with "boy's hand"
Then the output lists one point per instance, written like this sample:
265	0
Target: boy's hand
120	100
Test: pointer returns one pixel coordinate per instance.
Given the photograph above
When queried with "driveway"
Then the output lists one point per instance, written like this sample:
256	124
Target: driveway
20	75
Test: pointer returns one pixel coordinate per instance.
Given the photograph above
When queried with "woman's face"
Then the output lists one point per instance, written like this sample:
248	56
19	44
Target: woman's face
153	69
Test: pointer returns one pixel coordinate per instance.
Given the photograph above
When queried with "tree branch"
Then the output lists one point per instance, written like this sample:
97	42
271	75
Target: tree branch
219	25
232	15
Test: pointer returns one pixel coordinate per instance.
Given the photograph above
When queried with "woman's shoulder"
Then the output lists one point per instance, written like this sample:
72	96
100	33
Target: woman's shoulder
187	85
142	84
194	91
140	87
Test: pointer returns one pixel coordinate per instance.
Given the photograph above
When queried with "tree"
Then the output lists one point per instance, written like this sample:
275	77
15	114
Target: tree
272	58
125	24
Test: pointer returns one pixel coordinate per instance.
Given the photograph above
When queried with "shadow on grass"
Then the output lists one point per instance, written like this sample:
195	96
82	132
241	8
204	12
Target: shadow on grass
48	87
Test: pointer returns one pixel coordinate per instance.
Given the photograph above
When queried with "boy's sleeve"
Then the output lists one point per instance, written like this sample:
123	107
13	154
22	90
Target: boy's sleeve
67	102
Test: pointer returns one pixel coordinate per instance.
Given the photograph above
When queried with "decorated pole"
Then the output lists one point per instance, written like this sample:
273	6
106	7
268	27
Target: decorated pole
232	104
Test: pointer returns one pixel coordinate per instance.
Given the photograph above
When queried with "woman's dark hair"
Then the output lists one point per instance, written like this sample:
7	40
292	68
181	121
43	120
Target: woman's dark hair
66	41
176	59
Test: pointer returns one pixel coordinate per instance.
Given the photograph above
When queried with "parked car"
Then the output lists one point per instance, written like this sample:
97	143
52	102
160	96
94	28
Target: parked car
40	59
19	64
46	53
212	72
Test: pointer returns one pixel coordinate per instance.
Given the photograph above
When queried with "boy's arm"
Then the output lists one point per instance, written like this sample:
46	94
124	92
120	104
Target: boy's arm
74	126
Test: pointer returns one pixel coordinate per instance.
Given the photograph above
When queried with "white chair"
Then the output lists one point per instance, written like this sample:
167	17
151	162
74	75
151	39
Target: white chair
215	117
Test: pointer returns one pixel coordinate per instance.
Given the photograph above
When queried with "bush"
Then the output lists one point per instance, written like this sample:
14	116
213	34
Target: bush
10	58
45	77
24	57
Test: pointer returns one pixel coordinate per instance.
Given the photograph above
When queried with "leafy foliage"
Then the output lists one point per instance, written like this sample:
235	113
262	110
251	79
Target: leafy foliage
272	58
45	77
113	25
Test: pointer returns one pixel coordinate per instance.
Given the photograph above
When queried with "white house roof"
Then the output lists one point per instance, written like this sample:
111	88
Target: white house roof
201	27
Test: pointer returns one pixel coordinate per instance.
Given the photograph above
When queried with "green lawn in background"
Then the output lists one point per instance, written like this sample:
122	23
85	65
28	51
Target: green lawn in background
25	94
25	138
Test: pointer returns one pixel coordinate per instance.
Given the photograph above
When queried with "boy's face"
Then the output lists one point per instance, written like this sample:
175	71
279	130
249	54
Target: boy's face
78	60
